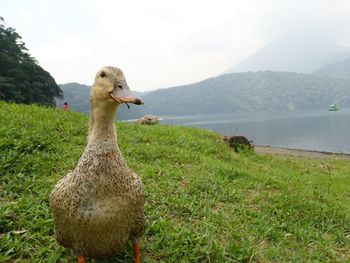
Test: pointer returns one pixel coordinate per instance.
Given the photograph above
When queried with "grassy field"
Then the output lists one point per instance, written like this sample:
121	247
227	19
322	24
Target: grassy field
204	203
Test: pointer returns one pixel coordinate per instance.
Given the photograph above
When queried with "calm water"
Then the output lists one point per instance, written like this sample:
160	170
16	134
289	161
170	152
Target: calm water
315	130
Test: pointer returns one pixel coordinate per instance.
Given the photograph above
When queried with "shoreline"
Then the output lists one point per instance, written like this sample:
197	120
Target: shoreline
307	154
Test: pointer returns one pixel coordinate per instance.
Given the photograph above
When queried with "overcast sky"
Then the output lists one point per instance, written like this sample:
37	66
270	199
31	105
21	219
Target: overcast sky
159	43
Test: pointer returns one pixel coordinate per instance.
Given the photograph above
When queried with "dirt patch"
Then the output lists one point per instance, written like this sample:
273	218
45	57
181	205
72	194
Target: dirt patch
315	155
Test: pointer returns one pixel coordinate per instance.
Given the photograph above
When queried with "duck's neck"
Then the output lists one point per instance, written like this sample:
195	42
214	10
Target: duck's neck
101	125
102	151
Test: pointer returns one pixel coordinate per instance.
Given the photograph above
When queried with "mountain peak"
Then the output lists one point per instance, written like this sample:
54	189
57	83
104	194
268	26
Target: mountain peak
294	54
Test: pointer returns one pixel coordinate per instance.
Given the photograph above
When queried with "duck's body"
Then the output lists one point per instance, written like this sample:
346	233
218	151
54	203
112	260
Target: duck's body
98	207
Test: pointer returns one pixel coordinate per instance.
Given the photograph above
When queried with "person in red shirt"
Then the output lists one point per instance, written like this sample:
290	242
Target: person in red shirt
65	106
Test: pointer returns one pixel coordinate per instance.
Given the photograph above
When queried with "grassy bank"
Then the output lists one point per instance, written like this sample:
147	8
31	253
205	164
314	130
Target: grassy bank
204	203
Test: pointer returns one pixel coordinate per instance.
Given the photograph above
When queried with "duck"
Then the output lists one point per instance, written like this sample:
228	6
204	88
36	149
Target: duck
99	206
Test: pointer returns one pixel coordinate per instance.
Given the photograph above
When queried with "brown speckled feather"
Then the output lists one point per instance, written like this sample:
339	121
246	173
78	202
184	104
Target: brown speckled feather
98	207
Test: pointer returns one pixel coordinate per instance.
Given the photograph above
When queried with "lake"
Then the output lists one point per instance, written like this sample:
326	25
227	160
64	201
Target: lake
312	130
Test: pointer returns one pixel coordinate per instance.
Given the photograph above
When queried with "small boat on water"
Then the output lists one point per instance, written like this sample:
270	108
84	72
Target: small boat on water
333	107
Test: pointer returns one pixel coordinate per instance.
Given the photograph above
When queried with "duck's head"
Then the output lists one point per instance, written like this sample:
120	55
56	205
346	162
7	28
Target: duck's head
110	89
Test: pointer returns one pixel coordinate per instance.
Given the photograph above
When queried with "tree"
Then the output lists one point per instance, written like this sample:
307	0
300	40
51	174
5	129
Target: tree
22	79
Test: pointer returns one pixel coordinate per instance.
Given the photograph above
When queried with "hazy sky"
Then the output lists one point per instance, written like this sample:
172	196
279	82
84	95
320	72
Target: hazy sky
159	43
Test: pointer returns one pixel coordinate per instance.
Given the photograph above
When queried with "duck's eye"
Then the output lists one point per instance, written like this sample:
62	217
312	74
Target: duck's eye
103	74
120	86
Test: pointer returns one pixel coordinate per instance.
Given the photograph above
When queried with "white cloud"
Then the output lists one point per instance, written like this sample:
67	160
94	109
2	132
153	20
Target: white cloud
66	56
322	18
161	43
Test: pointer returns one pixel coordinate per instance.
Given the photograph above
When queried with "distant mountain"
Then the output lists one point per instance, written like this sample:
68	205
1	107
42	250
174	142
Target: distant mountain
78	98
234	92
294	54
260	91
340	69
77	95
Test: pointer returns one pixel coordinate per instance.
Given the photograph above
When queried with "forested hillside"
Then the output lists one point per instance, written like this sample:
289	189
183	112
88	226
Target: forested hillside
22	79
260	91
339	69
76	95
235	92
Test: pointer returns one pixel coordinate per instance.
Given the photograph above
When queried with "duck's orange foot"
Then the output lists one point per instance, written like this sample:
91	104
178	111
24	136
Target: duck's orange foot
81	259
137	251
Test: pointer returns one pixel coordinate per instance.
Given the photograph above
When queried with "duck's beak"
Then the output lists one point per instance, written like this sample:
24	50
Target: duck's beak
127	99
126	96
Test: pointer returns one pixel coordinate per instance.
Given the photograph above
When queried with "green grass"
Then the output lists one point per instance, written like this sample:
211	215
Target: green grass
204	203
